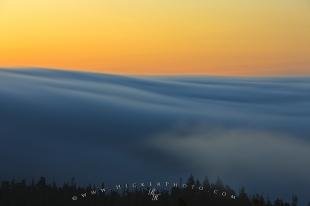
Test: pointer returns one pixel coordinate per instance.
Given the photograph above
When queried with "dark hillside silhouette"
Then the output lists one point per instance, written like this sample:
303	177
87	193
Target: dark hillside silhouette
41	193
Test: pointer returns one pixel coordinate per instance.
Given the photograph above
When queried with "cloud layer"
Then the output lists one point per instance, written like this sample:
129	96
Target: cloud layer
250	131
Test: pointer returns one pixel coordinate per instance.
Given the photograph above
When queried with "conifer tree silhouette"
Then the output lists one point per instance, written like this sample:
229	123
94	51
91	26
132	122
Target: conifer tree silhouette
14	193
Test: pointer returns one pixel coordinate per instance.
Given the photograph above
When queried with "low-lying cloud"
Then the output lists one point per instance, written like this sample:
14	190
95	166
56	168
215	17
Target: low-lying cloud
249	131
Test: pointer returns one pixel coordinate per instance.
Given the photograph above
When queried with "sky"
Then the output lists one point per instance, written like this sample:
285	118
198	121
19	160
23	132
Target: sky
222	37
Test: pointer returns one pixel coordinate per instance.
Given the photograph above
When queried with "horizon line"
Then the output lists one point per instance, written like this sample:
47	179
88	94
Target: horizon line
149	74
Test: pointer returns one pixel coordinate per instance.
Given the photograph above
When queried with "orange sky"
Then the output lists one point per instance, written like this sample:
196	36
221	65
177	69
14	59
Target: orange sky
219	37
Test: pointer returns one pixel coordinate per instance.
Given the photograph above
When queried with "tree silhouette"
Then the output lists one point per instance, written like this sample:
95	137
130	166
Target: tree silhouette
13	193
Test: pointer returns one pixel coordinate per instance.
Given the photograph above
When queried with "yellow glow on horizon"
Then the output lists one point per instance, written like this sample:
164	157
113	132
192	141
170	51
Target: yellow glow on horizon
219	37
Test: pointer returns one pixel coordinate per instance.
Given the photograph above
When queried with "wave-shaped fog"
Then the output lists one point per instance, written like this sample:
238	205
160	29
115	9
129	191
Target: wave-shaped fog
249	131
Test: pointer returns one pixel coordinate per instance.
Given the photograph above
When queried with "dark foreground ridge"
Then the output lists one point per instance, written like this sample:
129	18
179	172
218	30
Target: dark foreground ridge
191	193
